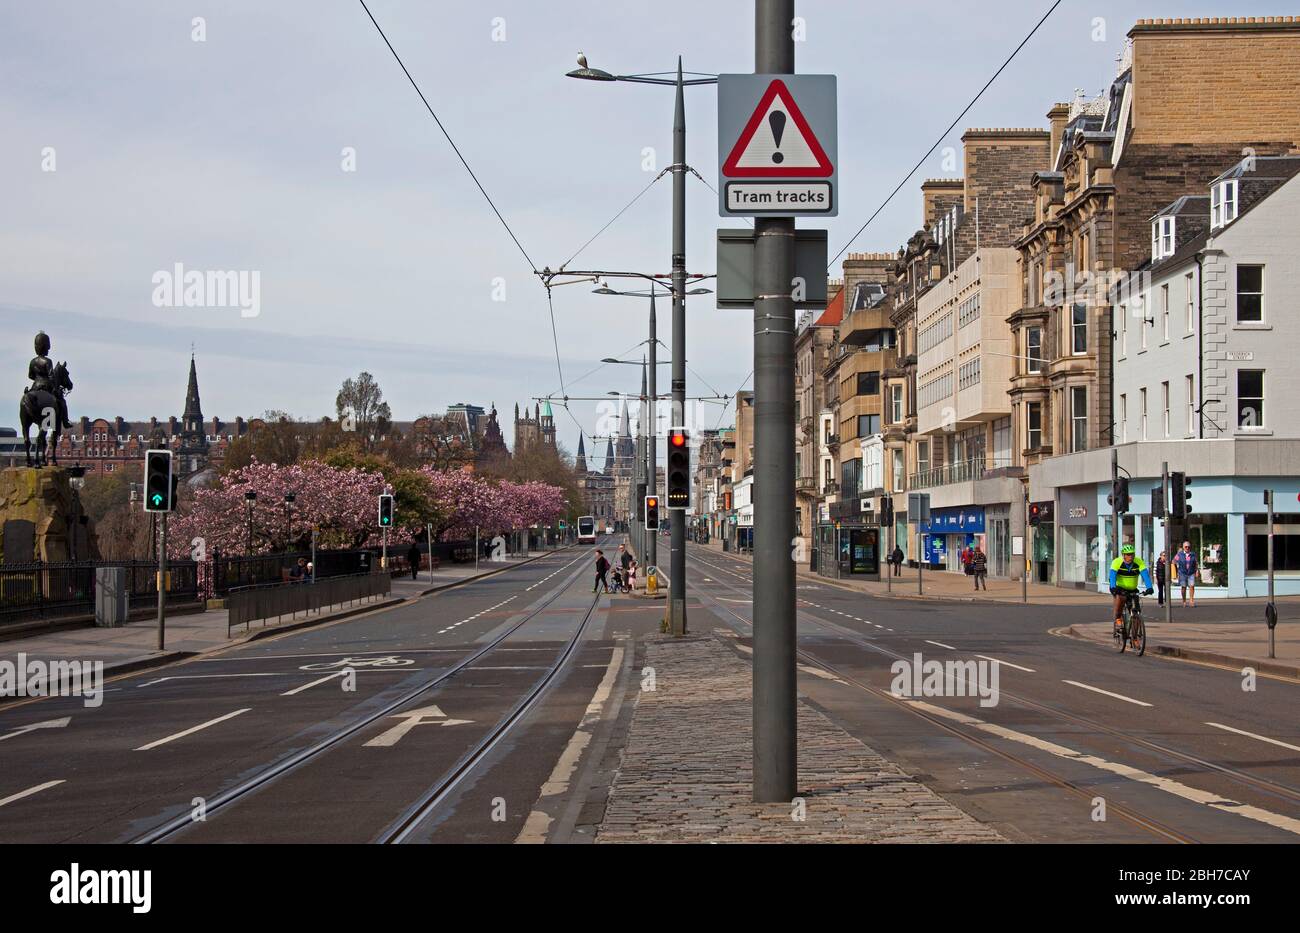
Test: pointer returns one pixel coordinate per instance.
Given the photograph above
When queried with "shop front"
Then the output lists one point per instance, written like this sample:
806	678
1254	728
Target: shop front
949	532
1079	550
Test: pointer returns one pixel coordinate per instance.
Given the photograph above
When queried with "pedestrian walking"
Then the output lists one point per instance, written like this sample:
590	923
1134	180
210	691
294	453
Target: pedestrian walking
897	560
1162	570
413	558
1186	566
966	556
602	568
979	568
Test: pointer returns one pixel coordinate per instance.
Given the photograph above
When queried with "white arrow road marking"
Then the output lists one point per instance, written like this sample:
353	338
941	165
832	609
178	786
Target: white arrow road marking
416	717
1118	696
1027	670
31	790
1213	801
1262	738
48	724
192	729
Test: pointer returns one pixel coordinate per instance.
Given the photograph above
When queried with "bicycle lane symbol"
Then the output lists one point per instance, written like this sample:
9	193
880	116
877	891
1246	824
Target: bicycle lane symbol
384	661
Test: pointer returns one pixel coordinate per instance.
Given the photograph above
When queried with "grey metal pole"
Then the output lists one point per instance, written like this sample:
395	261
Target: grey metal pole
776	750
652	432
476	548
1268	495
1024	554
313	554
428	541
920	558
1169	543
889	564
677	548
162	585
1115	521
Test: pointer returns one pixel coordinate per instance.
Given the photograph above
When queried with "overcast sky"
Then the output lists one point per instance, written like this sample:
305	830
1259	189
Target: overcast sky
227	154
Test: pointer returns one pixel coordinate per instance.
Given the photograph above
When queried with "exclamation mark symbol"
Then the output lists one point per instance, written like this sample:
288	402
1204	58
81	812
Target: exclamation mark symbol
776	120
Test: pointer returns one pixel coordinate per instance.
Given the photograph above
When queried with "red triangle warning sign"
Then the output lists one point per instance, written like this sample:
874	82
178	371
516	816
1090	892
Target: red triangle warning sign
777	142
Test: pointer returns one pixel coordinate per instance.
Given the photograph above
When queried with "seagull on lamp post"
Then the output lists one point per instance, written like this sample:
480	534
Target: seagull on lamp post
582	60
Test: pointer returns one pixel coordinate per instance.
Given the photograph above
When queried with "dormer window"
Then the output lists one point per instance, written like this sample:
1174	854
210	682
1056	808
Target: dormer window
1223	203
1162	238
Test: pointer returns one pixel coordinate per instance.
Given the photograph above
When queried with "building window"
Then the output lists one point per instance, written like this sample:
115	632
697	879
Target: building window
895	404
1190	305
1123	418
868	383
1079	329
1250	294
922	456
1250	398
899	470
868	425
1162	238
1164	402
1223	203
1164	313
1142	412
1079	417
1034	350
1191	405
1034	424
1123	331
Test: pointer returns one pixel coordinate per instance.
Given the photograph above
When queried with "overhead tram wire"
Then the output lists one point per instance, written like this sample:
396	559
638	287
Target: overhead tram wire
937	142
722	414
612	220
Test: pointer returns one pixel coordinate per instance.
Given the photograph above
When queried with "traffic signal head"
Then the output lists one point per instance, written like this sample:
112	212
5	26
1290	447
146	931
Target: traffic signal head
159	484
652	513
1035	514
1179	495
1118	498
679	469
640	502
385	511
886	510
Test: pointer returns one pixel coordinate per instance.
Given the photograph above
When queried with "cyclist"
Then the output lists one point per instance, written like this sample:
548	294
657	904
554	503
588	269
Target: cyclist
1124	573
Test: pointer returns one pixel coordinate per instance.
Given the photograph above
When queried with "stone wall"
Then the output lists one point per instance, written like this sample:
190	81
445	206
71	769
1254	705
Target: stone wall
40	518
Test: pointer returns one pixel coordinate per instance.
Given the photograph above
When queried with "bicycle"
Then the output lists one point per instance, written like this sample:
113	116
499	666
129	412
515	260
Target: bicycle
1133	631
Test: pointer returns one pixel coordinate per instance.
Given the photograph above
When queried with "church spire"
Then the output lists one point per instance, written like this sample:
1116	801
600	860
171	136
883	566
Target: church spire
580	463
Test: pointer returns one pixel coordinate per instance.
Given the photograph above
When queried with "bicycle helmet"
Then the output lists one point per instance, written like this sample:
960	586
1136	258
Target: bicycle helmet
1127	549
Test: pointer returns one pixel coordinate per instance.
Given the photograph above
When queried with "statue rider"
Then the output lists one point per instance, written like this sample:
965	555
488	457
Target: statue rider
41	371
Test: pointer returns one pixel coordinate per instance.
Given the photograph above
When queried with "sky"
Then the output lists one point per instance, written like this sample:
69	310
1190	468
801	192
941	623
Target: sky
288	147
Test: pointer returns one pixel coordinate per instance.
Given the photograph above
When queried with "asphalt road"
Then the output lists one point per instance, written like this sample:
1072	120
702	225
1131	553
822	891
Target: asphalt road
169	743
1173	751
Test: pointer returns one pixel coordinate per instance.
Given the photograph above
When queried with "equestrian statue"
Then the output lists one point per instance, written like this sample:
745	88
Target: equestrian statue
43	404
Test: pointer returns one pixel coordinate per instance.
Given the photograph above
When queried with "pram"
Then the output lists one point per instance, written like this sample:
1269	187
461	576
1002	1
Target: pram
621	582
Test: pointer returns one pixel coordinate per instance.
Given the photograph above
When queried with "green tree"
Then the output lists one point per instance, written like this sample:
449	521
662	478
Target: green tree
360	407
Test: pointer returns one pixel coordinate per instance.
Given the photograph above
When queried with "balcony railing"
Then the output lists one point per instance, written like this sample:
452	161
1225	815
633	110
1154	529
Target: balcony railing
805	483
832	440
963	471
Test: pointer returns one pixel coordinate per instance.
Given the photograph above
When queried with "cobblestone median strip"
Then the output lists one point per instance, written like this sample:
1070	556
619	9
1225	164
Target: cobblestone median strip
685	774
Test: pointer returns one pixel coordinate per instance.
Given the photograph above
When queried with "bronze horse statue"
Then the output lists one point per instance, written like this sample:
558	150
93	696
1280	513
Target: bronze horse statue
45	409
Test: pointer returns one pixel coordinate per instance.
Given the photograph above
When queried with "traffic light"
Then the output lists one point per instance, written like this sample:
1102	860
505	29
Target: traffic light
886	510
1119	498
159	483
1180	496
640	502
386	511
1035	514
1158	502
679	469
652	513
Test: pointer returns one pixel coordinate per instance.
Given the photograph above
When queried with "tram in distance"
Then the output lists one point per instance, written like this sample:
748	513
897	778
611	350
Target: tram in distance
587	529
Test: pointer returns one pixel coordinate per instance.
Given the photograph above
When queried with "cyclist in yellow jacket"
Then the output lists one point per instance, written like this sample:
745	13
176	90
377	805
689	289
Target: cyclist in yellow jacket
1125	572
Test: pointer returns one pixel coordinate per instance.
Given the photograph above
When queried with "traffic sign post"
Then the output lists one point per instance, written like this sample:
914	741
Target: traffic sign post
160	496
777	145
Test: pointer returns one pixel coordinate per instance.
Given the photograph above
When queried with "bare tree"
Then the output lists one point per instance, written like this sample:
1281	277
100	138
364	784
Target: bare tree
360	406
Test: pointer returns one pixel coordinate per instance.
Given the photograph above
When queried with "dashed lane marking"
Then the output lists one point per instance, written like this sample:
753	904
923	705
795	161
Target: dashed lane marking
1262	738
940	644
31	790
192	729
1027	670
1118	696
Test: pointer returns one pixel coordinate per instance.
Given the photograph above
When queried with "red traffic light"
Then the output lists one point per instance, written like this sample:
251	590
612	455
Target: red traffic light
652	502
677	439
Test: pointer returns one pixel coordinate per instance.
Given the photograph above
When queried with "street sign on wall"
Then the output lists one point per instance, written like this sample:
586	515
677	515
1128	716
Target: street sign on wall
777	145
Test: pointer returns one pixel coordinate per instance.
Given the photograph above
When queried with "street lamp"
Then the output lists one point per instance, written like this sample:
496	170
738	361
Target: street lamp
249	498
679	168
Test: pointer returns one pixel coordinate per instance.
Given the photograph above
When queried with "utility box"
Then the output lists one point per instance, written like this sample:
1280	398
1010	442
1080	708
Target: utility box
111	602
735	283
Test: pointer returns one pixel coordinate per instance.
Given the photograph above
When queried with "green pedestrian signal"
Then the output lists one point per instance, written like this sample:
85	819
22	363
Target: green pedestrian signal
159	483
385	511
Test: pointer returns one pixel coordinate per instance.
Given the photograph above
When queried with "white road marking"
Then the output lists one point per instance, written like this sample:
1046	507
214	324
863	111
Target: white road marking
1118	696
1214	801
31	790
539	822
416	717
192	730
1262	738
48	724
308	686
150	683
1027	670
940	644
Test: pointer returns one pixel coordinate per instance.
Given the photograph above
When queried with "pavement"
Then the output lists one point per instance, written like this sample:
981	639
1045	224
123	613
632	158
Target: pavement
134	646
1234	644
701	710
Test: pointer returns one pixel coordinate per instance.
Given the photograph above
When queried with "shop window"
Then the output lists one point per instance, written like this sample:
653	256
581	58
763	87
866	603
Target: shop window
1286	544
